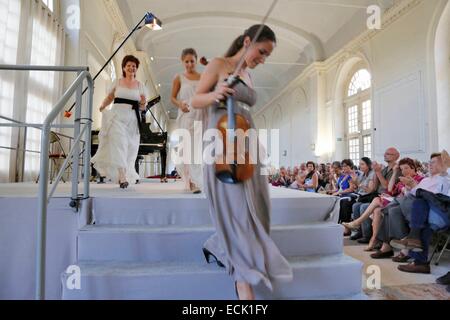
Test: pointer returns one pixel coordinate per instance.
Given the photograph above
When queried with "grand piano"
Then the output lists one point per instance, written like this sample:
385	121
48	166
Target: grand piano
150	141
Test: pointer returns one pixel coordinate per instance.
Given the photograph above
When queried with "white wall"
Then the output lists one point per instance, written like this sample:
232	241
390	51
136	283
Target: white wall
403	98
442	70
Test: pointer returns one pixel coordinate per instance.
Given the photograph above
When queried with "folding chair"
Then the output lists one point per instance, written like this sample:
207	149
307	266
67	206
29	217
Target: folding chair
57	155
443	237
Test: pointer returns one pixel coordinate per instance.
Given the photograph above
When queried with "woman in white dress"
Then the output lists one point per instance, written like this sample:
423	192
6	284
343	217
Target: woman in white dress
184	86
119	136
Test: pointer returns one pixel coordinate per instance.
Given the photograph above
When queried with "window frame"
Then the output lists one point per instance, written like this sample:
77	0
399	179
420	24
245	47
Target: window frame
358	100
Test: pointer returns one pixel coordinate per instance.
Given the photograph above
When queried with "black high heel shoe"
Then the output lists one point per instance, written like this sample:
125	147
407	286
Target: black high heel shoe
208	255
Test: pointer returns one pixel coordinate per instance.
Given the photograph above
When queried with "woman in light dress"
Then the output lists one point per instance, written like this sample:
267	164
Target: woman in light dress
183	89
119	136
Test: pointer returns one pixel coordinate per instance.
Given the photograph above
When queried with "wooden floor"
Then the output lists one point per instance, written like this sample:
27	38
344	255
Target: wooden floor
398	285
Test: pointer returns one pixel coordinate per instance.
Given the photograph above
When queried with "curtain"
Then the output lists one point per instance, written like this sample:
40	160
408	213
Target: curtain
9	31
44	88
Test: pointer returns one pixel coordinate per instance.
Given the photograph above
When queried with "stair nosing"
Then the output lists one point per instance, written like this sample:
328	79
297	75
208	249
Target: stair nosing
177	228
170	268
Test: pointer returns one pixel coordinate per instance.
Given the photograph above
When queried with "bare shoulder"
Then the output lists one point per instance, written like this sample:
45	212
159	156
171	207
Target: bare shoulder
216	64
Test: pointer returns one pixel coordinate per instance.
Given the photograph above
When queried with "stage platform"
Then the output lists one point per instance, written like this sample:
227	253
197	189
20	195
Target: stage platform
145	243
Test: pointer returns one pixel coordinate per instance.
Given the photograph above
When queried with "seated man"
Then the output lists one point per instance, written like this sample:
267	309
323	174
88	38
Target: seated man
445	279
429	213
395	224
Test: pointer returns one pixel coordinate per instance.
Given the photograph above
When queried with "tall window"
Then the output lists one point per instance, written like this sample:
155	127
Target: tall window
41	85
9	31
359	116
49	4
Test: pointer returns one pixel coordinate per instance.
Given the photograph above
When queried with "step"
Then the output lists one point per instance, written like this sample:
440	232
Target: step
333	275
150	244
290	207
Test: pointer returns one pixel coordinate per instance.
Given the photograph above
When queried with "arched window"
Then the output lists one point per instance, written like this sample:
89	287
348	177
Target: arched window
358	110
361	80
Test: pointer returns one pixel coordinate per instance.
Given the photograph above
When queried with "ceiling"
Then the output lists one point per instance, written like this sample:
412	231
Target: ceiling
306	30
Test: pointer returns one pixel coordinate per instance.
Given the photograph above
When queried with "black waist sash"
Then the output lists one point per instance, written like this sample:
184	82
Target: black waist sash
135	107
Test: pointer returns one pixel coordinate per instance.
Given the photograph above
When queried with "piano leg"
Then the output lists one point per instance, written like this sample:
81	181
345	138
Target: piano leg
136	165
163	154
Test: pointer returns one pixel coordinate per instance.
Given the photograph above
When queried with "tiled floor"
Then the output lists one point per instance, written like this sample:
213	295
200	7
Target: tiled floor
397	285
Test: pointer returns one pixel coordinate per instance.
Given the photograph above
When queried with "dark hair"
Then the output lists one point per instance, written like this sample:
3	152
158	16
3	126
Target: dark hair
310	162
127	59
266	34
367	161
336	164
310	174
347	162
435	155
188	51
408	161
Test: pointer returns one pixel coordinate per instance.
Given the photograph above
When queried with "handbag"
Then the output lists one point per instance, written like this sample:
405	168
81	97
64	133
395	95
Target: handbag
367	198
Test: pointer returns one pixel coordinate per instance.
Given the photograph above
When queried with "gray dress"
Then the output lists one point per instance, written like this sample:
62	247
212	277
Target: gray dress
241	215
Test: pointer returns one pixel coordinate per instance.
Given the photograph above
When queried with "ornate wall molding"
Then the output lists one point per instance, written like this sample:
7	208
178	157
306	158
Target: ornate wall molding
351	49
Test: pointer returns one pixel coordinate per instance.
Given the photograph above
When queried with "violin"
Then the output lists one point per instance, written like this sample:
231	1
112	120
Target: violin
232	167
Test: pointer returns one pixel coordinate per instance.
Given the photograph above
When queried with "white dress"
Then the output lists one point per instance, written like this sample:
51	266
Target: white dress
190	171
119	136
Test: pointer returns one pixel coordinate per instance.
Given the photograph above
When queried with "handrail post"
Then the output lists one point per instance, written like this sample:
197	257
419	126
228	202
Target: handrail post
76	87
87	148
76	132
43	183
42	215
24	154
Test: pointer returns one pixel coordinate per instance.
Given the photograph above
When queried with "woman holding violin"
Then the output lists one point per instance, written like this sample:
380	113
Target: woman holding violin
240	209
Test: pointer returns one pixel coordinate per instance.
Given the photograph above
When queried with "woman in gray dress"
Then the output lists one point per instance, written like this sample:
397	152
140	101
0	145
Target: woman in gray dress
240	212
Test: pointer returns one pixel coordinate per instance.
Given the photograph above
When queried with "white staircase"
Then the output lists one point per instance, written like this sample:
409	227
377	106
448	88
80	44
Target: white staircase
155	252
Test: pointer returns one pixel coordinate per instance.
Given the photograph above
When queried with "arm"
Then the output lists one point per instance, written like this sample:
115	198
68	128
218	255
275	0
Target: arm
315	182
204	97
108	100
394	177
176	86
350	189
379	174
143	95
334	182
370	188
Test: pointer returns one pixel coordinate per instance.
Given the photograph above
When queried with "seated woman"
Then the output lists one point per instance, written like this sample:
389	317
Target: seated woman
299	182
312	178
408	169
281	179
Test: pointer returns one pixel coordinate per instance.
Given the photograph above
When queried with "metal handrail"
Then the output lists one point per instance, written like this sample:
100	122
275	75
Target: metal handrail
19	124
76	87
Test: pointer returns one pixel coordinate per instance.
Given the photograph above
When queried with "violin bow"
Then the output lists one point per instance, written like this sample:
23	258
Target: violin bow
241	61
232	80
